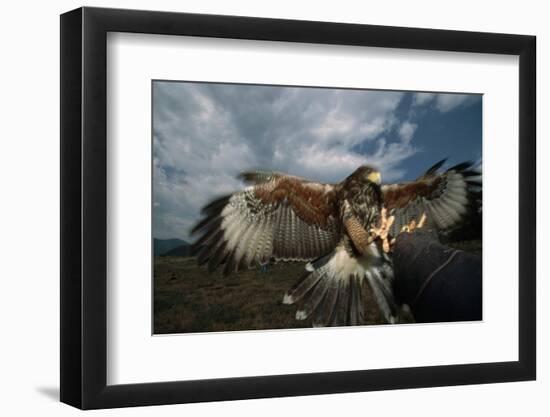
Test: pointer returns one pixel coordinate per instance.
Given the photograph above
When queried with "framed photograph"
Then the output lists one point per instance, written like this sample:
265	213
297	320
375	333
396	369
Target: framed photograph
256	208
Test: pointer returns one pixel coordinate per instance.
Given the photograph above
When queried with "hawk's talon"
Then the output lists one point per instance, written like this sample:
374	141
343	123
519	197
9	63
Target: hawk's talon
422	221
383	230
412	225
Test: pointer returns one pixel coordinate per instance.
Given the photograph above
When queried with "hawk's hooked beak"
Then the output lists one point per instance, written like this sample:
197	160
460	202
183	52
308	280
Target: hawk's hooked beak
375	177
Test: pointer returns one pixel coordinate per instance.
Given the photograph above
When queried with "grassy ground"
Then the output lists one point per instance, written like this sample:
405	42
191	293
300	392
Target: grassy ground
188	299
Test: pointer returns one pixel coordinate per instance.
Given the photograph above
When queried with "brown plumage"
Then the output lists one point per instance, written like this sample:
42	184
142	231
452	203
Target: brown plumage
280	217
442	197
312	203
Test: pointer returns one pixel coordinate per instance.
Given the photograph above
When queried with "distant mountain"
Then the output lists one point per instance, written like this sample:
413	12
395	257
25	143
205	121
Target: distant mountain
182	250
161	246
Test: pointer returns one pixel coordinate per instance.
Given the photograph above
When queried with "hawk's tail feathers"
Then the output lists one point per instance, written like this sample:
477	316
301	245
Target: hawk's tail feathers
333	293
380	279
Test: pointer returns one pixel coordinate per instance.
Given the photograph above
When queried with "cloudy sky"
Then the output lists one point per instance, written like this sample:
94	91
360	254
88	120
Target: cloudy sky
204	134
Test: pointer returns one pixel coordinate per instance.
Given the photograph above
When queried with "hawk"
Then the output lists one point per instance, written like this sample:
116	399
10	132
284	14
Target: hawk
342	231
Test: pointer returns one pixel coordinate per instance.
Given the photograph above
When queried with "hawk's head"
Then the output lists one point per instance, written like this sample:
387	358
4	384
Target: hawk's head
367	173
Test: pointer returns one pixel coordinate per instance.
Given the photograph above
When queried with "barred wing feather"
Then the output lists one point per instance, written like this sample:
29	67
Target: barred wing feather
279	217
442	196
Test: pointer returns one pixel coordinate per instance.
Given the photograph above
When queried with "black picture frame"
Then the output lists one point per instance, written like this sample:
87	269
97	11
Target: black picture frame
84	207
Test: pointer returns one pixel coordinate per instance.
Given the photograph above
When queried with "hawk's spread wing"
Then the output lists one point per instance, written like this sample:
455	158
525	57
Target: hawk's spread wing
277	217
443	197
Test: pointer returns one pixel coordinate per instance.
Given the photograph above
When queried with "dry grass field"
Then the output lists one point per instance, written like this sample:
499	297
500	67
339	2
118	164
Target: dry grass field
188	299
